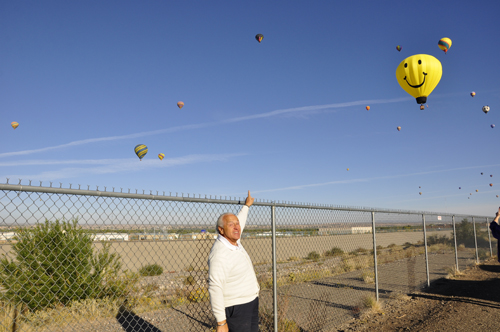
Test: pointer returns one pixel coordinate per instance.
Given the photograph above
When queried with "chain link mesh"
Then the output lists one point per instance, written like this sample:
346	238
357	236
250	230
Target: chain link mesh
90	261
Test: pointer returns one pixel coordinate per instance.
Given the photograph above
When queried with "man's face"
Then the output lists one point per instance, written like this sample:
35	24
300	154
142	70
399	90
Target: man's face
232	229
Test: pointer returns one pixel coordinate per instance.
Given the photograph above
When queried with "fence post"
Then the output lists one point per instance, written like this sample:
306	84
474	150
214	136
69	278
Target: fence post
489	236
455	241
375	255
426	255
275	283
475	239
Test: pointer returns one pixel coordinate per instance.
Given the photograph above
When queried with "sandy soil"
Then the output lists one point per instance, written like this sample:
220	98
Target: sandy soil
466	302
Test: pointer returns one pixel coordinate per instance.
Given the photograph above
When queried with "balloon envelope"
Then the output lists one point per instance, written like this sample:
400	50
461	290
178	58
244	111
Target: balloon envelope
486	109
140	150
399	128
161	156
420	193
459	187
418	75
259	37
492	126
472	94
367	108
444	44
399	48
180	104
491	184
14	124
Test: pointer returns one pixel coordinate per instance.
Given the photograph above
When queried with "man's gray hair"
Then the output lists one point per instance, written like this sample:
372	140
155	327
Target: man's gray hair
220	221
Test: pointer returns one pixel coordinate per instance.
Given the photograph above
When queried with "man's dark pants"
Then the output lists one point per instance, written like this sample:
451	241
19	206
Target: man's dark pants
243	317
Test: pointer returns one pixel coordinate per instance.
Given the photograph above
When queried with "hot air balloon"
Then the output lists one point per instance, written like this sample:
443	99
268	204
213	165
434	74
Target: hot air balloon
491	184
141	150
486	109
399	128
482	173
497	195
459	187
259	37
180	104
472	94
422	107
491	175
161	156
420	193
419	186
367	108
348	169
492	126
444	44
14	124
418	75
477	190
399	48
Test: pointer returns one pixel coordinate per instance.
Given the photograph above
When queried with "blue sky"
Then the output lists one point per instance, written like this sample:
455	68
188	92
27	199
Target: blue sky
89	80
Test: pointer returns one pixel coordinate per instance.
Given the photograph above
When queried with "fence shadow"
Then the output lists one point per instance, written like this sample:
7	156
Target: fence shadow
479	292
133	323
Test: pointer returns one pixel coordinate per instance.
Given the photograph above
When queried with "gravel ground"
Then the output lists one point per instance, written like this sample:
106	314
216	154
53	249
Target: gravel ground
467	302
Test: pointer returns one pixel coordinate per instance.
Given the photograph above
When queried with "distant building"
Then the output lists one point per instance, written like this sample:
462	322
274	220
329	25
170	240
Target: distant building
361	230
110	237
9	236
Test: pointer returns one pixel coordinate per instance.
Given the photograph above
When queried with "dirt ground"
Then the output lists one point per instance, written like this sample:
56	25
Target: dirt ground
466	302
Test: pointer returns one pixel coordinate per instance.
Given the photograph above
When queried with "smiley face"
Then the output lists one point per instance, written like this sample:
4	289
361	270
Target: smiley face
418	75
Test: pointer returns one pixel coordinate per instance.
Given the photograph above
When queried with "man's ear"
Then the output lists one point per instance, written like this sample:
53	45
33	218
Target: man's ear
221	230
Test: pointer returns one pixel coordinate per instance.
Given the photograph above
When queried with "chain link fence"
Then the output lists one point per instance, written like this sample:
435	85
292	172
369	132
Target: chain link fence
103	260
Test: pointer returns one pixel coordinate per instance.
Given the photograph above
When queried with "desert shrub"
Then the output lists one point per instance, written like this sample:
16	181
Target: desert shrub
151	270
198	295
336	251
368	277
392	245
362	250
483	253
189	280
54	263
313	255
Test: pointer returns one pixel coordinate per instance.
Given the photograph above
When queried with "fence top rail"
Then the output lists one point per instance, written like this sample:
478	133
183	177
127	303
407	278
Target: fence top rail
209	199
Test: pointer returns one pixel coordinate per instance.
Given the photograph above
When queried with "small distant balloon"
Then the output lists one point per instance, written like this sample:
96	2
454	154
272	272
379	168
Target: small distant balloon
497	195
482	173
180	105
444	44
472	94
399	128
491	175
348	169
419	186
14	124
399	48
259	37
459	187
367	108
492	126
486	109
161	156
477	190
420	193
141	150
491	184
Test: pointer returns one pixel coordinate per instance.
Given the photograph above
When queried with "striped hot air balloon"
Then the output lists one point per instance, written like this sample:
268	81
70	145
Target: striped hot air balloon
161	156
472	94
444	44
399	48
141	150
259	37
14	124
180	105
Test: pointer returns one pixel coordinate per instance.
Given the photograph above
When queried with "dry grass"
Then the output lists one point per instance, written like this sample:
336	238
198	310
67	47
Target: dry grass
452	272
372	304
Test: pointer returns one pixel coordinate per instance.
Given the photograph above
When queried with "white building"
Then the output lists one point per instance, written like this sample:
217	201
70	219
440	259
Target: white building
361	230
111	237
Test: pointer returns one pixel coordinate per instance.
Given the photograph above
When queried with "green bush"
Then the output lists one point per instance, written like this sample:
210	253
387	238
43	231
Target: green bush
336	251
151	270
54	264
313	255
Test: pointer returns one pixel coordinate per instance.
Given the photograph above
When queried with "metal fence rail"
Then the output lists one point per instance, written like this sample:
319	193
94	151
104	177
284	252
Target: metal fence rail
93	260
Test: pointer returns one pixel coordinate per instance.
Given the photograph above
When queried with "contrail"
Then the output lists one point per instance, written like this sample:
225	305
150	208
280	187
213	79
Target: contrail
296	110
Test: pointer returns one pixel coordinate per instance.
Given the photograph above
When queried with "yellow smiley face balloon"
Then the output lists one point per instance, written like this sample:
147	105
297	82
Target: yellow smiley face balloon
418	75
